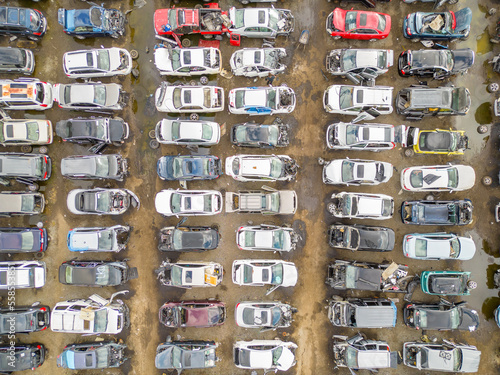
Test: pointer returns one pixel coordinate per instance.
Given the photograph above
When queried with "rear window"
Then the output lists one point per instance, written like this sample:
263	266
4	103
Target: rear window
12	15
3	13
381	22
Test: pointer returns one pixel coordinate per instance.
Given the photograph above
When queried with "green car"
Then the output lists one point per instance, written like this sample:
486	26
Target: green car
447	283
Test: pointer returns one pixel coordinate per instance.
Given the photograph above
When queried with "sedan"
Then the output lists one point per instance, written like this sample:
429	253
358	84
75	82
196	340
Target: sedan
92	355
261	100
190	274
443	316
103	130
358	24
439	26
361	206
198	314
23	240
187	238
261	22
437	246
101	201
20	132
437	64
263	315
353	100
96	273
105	62
250	134
25	319
266	238
94	167
438	141
186	133
447	283
356	172
188	168
254	272
438	178
257	62
90	96
270	355
92	22
112	239
369	137
185	355
261	167
187	61
19	357
361	237
369	63
189	99
172	202
457	212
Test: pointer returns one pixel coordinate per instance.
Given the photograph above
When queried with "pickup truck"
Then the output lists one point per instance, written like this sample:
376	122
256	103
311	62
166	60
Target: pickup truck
266	202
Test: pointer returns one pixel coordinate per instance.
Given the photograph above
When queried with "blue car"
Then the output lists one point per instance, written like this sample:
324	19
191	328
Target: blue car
438	25
92	22
187	167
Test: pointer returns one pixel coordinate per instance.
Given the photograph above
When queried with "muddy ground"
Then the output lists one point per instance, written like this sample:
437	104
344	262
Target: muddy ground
311	329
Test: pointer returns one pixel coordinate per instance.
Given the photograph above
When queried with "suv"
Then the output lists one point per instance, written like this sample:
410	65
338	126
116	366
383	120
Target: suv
362	312
419	101
19	132
16	60
21	203
22	274
22	21
27	166
353	100
25	94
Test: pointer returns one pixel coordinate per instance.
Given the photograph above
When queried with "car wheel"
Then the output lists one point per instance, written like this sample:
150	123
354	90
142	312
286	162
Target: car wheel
415	40
493	87
134	54
203	80
336	37
26	149
451	2
487	180
79	37
194	117
152	134
154	144
186	43
33	187
43	150
429	197
39	255
244	2
482	129
372	40
409	152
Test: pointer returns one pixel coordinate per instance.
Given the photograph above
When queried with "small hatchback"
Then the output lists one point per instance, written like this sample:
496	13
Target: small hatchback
25	94
22	22
16	60
20	132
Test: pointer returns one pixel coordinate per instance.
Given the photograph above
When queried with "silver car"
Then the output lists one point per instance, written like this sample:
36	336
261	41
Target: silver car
257	62
361	64
90	96
261	22
97	167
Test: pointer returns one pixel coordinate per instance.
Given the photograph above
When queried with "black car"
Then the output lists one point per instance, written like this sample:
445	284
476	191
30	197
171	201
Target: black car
99	167
443	316
457	212
23	240
92	355
21	357
189	167
187	238
96	273
436	64
22	22
93	130
24	319
251	134
361	237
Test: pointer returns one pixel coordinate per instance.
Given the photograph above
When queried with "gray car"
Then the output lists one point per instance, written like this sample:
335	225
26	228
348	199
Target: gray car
92	355
90	96
27	166
182	355
261	22
96	273
24	319
359	64
257	62
21	203
98	167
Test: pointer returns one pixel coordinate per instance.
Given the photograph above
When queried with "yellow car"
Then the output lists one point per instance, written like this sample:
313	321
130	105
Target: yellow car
438	141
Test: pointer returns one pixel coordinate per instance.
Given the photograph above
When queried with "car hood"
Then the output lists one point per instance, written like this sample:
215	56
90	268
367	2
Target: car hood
467	177
286	360
464	58
290	275
470	320
162	59
463	18
467	248
470	360
162	202
112	94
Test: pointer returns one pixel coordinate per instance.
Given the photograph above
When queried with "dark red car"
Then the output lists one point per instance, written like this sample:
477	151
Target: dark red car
203	313
358	24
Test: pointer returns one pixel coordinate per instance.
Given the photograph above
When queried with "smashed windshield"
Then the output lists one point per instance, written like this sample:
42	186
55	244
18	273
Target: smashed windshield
345	97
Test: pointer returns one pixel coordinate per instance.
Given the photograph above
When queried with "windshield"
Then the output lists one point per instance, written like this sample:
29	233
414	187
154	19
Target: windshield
381	22
175	202
176	275
102	166
273	19
239	99
176	357
100	320
247	274
457	359
277	274
271	98
276	355
274	200
349	60
278	239
454	248
175	57
350	20
347	204
176	97
177	239
103	201
347	171
416	178
345	98
100	94
105	240
351	274
351	357
421	247
276	168
32	131
270	59
103	60
239	18
27	203
206	132
452	177
275	316
34	20
351	134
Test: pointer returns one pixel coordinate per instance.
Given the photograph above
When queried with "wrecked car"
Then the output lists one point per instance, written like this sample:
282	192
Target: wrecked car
95	167
189	167
113	239
188	238
263	315
447	283
266	237
19	132
356	172
185	355
261	22
437	141
98	130
93	22
19	357
21	203
360	353
170	202
362	312
29	167
261	100
104	62
361	206
457	212
187	132
358	24
251	134
257	62
189	274
359	65
203	313
189	99
92	355
261	167
101	201
438	26
187	62
90	96
376	277
270	355
96	273
360	237
352	100
23	240
369	137
267	201
24	319
437	64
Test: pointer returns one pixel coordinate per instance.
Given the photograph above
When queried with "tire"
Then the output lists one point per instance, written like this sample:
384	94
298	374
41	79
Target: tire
79	37
33	187
372	40
152	134
154	144
482	129
186	43
208	36
33	38
245	2
194	117
43	150
487	180
203	80
415	40
337	37
493	87
430	197
26	149
451	2
409	152
134	54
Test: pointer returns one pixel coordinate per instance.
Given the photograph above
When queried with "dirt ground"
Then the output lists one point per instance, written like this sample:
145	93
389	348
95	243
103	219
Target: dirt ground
311	329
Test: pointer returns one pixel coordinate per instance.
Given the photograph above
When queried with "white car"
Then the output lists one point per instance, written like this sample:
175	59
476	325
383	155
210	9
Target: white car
438	178
356	172
261	167
99	201
361	206
266	238
190	274
359	62
90	96
170	202
22	274
262	272
361	137
263	314
105	62
19	132
437	246
270	355
261	100
90	316
352	100
257	62
189	99
187	61
187	132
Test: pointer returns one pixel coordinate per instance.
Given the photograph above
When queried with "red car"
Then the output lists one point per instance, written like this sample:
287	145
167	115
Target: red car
193	313
358	24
